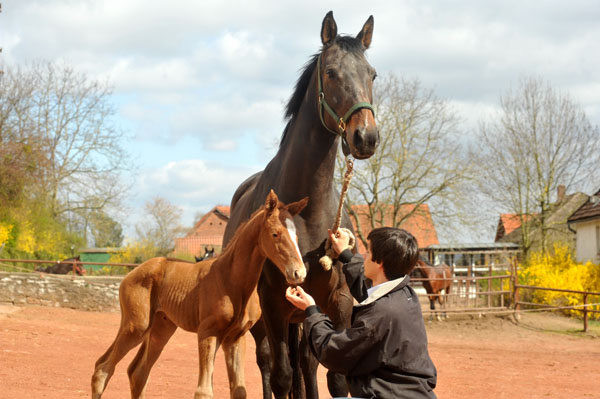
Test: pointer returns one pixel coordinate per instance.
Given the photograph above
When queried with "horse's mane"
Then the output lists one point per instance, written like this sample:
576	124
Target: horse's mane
347	43
231	244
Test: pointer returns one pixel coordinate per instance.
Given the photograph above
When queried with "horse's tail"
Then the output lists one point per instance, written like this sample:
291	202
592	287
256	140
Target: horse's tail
294	350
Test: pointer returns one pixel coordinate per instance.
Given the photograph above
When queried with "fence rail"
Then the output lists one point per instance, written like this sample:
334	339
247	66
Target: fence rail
466	294
584	308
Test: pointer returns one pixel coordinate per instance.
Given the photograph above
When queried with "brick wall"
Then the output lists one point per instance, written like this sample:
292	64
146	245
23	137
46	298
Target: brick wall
87	293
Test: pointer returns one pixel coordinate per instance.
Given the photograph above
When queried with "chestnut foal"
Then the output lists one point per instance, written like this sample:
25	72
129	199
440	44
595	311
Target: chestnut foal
216	299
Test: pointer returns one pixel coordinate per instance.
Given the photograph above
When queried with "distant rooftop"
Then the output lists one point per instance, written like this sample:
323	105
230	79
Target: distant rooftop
474	246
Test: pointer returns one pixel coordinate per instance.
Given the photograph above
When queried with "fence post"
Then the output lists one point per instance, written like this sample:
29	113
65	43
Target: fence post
491	271
516	290
585	313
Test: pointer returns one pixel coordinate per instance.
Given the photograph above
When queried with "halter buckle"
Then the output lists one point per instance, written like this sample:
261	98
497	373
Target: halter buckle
342	125
321	97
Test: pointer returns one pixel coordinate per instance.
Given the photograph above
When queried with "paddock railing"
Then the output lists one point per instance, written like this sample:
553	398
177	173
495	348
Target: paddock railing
585	307
4	264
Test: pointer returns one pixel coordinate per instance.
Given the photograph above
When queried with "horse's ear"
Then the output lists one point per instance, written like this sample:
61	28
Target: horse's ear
328	29
366	34
271	202
296	207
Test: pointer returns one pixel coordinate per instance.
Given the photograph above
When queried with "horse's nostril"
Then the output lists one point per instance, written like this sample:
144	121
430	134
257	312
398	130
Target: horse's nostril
358	138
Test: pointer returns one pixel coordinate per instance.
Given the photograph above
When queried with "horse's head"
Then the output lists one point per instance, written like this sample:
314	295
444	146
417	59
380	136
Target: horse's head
345	81
278	239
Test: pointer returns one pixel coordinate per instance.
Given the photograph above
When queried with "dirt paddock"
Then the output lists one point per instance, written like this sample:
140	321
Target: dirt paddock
50	353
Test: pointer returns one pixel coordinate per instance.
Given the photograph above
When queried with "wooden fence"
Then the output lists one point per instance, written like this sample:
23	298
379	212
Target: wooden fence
471	292
74	264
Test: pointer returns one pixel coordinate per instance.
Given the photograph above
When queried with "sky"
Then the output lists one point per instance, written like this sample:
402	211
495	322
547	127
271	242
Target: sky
200	86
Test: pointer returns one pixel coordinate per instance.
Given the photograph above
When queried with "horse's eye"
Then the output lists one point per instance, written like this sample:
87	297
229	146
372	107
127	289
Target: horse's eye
275	235
331	73
374	76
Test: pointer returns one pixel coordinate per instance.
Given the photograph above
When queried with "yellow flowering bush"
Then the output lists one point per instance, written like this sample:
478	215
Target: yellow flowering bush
5	230
558	269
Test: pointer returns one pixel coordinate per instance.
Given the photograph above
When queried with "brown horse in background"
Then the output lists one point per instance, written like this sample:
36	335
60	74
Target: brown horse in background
63	267
216	299
437	281
331	104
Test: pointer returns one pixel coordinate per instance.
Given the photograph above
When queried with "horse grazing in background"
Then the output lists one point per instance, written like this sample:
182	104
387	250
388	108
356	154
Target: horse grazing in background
216	299
336	81
63	267
437	281
207	254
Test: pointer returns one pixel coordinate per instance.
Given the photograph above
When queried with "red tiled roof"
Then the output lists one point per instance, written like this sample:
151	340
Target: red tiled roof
419	223
508	223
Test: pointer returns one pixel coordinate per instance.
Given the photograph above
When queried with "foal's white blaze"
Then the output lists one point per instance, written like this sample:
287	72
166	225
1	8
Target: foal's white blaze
291	228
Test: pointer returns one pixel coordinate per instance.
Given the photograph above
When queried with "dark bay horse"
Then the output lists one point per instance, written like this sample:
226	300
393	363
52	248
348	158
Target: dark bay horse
336	81
216	299
207	255
437	281
63	267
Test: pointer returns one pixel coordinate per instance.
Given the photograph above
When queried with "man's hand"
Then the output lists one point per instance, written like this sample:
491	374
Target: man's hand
339	241
299	298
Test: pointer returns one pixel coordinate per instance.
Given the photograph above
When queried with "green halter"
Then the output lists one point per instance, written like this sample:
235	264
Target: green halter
341	121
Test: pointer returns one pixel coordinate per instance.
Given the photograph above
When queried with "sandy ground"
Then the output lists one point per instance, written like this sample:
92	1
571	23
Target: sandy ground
50	353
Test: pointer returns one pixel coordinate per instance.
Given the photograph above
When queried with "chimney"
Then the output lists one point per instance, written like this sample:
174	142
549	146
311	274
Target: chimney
560	193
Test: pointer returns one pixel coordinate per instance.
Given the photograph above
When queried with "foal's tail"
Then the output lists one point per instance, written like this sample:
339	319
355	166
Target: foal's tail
294	349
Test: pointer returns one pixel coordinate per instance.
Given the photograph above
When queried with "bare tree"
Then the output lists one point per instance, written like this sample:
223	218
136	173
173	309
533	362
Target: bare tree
68	117
420	160
162	227
540	139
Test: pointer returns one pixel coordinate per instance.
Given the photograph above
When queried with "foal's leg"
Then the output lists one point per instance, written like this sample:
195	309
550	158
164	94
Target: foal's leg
161	331
126	340
135	320
234	359
207	349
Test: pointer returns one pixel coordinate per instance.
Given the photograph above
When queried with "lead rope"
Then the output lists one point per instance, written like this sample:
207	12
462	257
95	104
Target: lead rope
326	261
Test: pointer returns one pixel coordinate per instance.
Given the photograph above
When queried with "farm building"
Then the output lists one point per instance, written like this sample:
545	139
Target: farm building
100	255
206	233
556	222
418	222
586	224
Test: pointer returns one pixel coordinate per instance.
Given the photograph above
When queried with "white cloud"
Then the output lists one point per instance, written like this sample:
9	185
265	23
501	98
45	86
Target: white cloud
209	79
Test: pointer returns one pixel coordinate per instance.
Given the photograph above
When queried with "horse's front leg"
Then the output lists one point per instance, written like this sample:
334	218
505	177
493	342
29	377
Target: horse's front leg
263	356
277	332
207	349
235	352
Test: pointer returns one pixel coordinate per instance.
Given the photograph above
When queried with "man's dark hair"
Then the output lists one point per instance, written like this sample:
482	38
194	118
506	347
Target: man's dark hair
397	249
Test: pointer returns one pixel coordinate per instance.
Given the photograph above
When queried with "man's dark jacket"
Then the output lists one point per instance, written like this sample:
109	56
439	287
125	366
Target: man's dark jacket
384	353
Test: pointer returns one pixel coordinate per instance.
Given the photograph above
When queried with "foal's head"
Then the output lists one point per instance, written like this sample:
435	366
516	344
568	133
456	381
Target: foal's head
278	239
347	82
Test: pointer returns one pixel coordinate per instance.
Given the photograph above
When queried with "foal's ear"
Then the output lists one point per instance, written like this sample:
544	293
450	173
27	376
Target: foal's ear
328	29
271	202
296	207
366	34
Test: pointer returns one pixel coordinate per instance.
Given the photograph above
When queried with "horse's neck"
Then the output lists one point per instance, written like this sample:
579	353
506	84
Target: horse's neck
308	156
243	262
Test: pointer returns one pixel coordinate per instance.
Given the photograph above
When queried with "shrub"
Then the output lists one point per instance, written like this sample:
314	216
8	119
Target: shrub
558	269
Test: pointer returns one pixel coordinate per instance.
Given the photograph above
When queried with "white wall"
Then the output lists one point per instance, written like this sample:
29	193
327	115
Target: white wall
587	242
